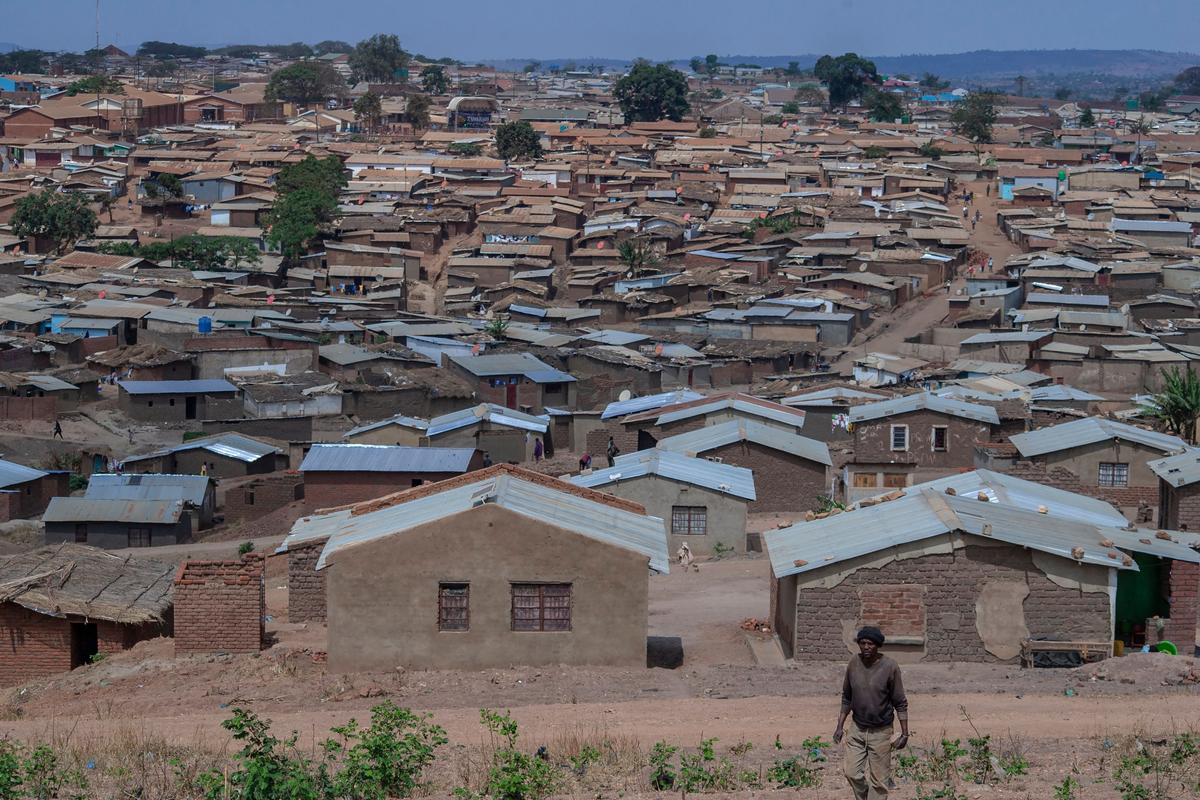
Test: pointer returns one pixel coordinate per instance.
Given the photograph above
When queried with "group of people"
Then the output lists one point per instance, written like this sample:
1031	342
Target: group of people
610	452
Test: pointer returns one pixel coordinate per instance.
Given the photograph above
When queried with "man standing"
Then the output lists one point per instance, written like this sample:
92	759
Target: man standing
874	694
611	452
57	430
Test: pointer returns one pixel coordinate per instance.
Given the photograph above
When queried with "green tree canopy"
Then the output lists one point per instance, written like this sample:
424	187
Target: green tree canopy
532	66
296	219
883	106
304	82
416	111
651	92
712	64
163	186
368	109
156	49
1177	406
325	176
378	58
332	46
1087	118
696	65
23	61
95	84
847	77
518	141
434	80
1188	81
790	107
974	117
62	218
192	252
637	256
933	82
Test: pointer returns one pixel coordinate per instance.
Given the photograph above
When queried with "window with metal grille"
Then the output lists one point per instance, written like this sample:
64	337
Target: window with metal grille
541	606
1113	474
689	520
454	606
899	437
139	537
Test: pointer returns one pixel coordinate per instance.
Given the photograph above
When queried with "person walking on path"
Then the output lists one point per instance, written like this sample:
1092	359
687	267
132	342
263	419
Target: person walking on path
612	452
537	450
57	429
873	697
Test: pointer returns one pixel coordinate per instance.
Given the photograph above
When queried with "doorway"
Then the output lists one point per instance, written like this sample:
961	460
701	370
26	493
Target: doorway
84	643
510	395
189	410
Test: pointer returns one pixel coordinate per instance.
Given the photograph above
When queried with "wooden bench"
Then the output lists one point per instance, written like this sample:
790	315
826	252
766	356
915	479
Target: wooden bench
1088	651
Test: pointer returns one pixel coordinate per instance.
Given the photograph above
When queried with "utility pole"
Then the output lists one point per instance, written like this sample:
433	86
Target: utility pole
97	24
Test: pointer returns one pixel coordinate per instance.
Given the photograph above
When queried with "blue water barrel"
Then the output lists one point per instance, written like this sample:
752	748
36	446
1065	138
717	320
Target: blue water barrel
204	325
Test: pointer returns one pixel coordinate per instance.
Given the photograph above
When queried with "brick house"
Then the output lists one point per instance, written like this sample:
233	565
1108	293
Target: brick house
518	381
950	578
662	423
260	496
229	455
116	524
178	401
1179	510
102	604
500	566
25	492
504	434
790	471
220	606
1111	456
702	502
198	493
340	474
911	439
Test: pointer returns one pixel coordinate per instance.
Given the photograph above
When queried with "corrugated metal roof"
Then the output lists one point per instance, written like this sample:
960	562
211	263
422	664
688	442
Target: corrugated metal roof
641	534
502	364
1029	495
231	445
549	376
711	437
725	478
924	401
399	419
386	458
1182	469
763	408
177	387
833	396
1080	432
636	405
807	546
12	474
1012	336
148	486
84	509
314	529
1061	392
614	337
489	412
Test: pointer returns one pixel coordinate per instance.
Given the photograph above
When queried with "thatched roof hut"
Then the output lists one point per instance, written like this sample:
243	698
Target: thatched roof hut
72	580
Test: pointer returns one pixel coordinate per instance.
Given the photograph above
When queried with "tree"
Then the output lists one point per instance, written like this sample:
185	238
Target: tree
1062	93
974	117
434	80
793	68
155	49
164	186
1021	81
637	256
465	149
192	251
518	141
416	111
875	152
368	109
1087	118
532	67
332	46
1188	81
1139	127
305	82
1154	100
62	218
883	106
791	107
296	219
708	133
162	69
931	151
325	176
95	84
847	76
696	65
712	64
933	82
1177	406
651	92
378	58
23	61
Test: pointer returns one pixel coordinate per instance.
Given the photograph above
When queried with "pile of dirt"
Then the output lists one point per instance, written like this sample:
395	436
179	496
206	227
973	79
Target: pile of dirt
277	523
1144	669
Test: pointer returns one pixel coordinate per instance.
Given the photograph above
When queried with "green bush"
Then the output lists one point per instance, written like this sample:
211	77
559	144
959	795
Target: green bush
512	775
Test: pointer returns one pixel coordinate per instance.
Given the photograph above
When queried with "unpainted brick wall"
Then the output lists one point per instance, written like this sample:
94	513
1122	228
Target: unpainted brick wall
898	609
220	606
873	440
262	496
33	645
306	586
1180	628
951	584
10	505
782	482
597	442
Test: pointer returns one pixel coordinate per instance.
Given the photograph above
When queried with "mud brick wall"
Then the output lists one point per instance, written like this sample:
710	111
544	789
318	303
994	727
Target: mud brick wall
597	442
1180	628
220	606
950	586
782	482
262	496
10	506
306	586
32	645
898	609
873	440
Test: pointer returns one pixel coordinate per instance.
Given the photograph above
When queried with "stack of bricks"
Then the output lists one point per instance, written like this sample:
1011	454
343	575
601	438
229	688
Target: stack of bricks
306	586
262	496
220	606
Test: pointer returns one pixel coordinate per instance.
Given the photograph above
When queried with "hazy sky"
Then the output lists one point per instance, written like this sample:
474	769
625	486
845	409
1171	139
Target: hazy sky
481	29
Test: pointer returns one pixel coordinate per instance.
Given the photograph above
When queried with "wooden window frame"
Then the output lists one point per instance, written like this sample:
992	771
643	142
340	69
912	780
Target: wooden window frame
692	514
903	480
892	438
540	592
1114	468
444	621
859	480
933	437
138	531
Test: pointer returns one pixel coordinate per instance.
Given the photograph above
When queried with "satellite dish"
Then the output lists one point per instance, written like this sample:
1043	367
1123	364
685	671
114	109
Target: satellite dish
625	395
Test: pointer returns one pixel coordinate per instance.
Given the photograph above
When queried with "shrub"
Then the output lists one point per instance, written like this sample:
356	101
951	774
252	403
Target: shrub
387	759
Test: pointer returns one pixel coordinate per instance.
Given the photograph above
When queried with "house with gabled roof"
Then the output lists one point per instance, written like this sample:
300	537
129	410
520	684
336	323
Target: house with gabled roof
497	567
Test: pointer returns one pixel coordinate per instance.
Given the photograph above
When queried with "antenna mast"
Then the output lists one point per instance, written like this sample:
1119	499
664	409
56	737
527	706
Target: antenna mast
97	24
